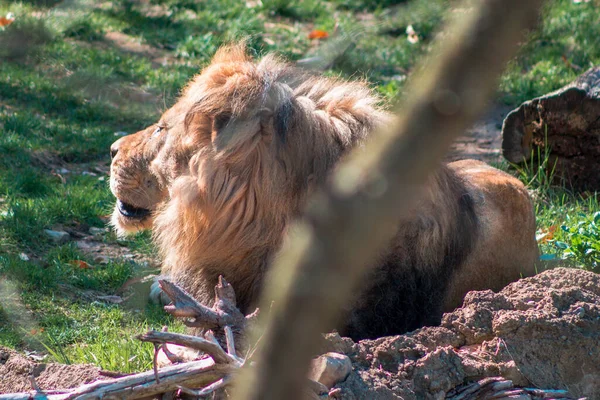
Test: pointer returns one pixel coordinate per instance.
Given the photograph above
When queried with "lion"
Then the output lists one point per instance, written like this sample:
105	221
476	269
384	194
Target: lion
227	168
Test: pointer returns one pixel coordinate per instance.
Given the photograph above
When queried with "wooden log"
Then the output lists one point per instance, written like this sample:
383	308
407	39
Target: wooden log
565	126
193	374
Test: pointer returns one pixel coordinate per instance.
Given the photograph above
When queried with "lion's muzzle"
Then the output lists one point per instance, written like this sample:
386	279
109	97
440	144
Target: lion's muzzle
131	211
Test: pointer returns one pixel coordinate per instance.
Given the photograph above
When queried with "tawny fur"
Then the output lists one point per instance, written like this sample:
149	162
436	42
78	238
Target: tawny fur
238	155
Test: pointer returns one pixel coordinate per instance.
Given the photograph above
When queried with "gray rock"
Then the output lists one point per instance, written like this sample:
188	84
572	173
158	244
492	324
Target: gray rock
97	231
330	369
58	237
100	259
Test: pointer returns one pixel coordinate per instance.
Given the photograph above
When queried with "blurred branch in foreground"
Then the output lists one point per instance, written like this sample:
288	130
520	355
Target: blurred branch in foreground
349	222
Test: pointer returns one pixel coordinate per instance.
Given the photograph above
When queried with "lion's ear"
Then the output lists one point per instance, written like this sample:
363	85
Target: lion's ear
233	52
228	131
282	119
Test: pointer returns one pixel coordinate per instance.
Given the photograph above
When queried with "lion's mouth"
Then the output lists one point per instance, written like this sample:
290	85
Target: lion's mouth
131	211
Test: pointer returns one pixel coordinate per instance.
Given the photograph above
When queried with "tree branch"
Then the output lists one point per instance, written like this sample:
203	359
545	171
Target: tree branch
348	223
213	349
223	313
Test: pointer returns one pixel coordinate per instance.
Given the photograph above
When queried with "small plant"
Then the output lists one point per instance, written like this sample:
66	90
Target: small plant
538	172
581	243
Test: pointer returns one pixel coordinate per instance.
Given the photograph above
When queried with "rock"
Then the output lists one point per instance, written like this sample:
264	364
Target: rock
58	237
316	391
540	332
83	244
120	134
157	296
100	259
112	299
23	257
97	231
330	369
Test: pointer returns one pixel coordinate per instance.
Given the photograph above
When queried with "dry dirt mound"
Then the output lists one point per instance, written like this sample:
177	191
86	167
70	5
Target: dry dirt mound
540	332
15	372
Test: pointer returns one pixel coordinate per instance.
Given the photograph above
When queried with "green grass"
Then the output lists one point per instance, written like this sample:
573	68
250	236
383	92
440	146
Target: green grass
66	87
566	44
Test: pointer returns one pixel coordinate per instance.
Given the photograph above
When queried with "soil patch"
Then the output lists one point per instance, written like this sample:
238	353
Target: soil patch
541	332
483	141
16	371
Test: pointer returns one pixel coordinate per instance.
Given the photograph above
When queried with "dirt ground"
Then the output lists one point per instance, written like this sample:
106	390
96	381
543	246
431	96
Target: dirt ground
17	371
483	140
539	332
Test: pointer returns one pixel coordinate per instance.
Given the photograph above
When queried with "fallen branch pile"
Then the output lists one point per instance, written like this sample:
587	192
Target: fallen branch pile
209	373
201	366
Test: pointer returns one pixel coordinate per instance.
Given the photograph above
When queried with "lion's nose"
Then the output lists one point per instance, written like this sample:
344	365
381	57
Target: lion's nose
114	148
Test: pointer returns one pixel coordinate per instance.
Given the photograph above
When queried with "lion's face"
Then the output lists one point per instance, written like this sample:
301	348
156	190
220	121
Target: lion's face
144	165
217	123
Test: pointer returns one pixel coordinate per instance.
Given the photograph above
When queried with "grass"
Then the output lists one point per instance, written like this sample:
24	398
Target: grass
73	76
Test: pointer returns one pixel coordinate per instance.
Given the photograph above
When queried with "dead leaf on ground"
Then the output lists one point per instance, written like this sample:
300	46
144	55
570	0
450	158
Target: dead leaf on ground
545	235
6	21
80	264
411	34
318	34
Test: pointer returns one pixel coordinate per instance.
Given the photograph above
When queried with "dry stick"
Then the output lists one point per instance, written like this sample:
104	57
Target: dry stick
211	348
230	341
206	390
352	220
196	373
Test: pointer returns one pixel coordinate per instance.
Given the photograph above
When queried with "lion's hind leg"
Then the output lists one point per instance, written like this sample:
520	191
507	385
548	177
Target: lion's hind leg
505	249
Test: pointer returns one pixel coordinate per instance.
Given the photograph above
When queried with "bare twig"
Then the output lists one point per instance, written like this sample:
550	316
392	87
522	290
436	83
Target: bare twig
196	373
172	357
230	341
154	362
210	336
347	224
500	388
206	390
34	384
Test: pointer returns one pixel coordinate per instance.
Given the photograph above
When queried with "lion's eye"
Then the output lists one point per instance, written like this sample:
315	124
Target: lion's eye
157	131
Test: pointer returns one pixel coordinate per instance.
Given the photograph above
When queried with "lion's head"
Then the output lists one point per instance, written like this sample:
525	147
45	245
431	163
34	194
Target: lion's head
223	171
